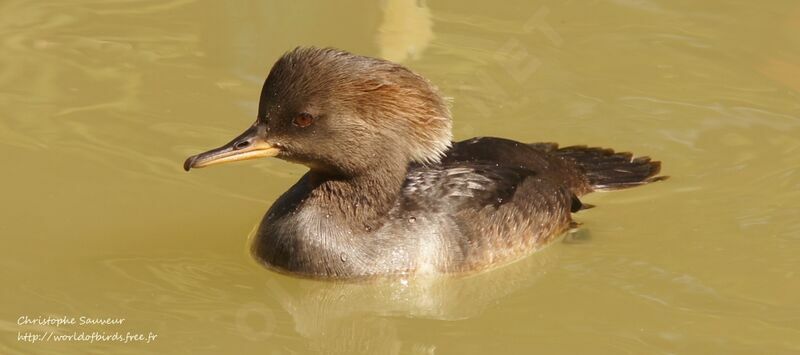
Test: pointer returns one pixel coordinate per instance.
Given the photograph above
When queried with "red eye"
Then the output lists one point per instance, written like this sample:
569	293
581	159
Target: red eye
303	119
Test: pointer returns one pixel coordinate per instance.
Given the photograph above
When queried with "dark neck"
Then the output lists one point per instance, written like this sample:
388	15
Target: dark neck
362	200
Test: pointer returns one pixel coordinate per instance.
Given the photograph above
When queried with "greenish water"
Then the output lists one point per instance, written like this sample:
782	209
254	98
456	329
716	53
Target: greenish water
100	103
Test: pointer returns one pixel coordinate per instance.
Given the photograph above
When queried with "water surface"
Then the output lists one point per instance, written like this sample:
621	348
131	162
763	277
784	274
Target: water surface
102	101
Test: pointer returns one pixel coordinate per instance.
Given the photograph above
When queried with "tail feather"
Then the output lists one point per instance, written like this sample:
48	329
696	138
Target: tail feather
609	170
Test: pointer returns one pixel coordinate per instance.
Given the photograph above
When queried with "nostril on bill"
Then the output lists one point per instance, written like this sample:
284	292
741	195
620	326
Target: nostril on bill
241	145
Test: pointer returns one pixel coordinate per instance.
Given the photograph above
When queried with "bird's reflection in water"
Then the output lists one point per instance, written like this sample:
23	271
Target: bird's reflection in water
366	316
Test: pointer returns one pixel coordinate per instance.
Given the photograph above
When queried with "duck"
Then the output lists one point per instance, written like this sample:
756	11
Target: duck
388	192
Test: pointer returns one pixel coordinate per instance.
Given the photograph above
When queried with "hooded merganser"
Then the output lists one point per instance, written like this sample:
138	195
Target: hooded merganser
388	192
